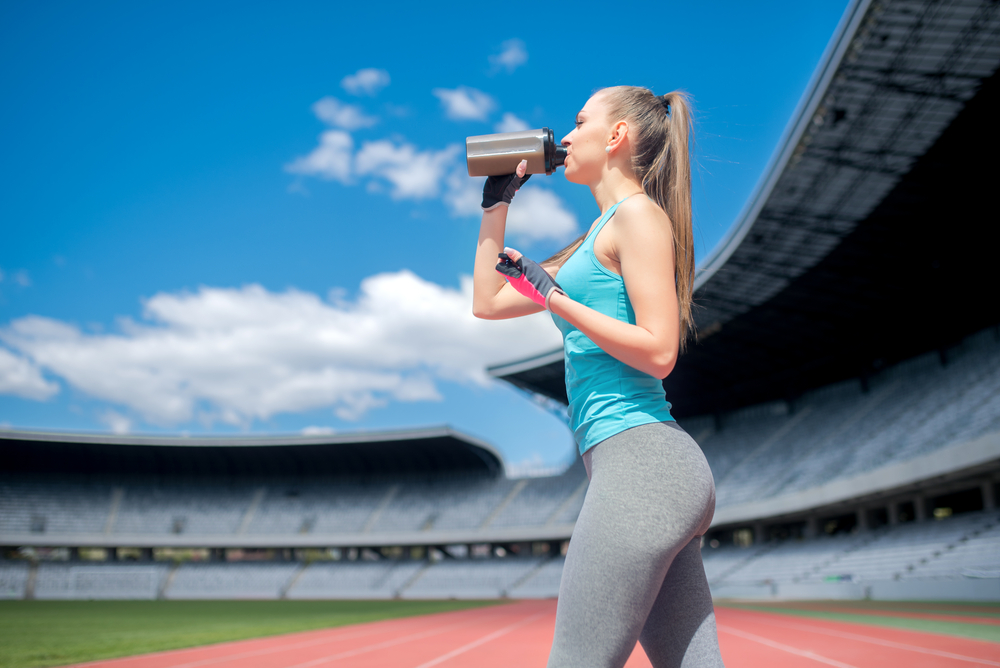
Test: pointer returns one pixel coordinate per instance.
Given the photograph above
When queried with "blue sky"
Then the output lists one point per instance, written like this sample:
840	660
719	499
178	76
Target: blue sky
223	217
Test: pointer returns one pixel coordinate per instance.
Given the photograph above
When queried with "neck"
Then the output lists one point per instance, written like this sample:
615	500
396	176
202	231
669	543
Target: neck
613	187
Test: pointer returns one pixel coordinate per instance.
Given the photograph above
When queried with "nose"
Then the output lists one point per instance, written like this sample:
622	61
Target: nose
566	140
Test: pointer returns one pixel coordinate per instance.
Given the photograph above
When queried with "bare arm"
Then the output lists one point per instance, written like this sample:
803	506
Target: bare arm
642	241
492	297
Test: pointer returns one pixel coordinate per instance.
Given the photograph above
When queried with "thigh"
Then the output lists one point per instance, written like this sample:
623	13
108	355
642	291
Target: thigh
680	629
649	494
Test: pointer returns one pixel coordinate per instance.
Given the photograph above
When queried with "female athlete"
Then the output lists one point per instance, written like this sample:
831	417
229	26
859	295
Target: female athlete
621	295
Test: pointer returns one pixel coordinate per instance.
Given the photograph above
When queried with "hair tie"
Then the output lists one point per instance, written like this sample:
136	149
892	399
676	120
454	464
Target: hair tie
666	103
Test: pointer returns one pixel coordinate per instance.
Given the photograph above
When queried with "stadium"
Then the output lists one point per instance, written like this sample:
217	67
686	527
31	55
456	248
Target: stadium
845	388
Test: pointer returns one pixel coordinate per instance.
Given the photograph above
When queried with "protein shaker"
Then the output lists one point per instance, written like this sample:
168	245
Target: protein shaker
495	155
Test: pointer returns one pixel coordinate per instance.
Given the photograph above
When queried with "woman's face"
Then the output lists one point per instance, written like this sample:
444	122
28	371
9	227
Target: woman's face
585	145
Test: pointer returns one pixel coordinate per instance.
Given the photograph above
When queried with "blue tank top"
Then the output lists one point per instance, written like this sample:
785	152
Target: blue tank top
606	396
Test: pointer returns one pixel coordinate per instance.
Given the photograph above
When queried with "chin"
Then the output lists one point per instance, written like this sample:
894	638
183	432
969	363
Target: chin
571	175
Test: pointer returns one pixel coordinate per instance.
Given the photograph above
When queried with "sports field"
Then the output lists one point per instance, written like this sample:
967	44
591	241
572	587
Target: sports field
421	634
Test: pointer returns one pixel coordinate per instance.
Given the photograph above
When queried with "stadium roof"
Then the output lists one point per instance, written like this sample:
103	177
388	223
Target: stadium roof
869	237
372	455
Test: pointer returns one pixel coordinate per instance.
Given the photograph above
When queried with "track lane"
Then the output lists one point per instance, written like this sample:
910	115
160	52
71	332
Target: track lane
858	645
520	633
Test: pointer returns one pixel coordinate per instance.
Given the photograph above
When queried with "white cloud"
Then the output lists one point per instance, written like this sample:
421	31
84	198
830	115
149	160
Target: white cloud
414	174
464	103
537	213
511	123
513	54
318	431
116	422
368	81
238	355
347	116
330	160
21	378
464	195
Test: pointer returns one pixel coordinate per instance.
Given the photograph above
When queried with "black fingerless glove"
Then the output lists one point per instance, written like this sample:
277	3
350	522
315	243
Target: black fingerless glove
500	189
528	278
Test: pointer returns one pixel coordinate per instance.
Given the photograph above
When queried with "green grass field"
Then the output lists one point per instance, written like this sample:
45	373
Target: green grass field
56	633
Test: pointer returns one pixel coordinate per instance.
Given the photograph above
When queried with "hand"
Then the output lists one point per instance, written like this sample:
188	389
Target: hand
527	277
499	190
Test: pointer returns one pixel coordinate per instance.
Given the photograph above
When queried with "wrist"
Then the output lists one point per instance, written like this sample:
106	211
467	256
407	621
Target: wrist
552	298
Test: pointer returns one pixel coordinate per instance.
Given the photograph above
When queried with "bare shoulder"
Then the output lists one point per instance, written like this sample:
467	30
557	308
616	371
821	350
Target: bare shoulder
640	219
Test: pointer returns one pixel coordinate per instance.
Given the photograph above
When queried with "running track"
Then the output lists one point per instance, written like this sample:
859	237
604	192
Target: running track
519	634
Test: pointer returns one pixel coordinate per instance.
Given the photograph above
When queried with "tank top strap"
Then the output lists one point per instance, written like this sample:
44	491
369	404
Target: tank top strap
601	223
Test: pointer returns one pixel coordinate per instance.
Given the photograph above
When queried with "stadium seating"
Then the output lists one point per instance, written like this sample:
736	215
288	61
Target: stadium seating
13	579
835	432
97	581
239	580
541	582
355	580
471	578
962	546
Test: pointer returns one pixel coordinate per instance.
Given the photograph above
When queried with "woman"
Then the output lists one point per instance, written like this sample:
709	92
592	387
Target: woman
623	303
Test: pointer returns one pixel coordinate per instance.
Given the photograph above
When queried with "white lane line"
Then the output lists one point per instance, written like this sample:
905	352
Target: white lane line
785	648
485	639
388	643
272	649
879	641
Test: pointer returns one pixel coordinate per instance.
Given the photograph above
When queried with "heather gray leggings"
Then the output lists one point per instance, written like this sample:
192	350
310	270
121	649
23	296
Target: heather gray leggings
633	570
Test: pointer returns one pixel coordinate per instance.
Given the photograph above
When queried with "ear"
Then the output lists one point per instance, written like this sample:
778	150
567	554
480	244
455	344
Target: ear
619	134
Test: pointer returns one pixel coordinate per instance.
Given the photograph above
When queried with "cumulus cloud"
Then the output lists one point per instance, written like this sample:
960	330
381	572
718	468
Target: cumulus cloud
513	54
511	123
463	195
367	81
116	422
538	213
347	116
414	174
238	355
21	378
330	160
465	104
313	430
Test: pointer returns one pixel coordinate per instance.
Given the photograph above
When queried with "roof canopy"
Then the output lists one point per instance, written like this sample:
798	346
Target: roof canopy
377	455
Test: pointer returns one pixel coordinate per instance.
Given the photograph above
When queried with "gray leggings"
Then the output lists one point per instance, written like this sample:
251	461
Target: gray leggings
633	570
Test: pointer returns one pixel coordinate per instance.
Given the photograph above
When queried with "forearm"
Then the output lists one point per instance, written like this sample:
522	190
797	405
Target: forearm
634	345
492	297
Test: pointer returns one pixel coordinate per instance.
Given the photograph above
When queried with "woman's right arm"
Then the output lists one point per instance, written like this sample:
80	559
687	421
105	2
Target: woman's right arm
493	298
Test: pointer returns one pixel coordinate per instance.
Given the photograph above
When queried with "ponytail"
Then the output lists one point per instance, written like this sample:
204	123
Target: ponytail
668	183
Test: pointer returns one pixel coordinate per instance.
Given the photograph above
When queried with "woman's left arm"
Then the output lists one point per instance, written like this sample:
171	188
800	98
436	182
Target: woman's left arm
642	241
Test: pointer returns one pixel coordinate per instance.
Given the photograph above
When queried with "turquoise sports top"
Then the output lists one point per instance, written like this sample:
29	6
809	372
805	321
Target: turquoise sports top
605	396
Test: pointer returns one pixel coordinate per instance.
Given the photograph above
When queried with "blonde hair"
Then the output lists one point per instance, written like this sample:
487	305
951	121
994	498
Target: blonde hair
659	132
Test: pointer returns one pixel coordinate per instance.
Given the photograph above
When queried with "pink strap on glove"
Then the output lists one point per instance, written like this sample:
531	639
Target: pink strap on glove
528	278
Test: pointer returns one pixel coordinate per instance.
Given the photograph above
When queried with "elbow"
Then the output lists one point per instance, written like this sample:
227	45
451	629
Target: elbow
662	364
482	311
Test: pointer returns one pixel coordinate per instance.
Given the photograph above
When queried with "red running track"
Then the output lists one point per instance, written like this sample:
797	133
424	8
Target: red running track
520	633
